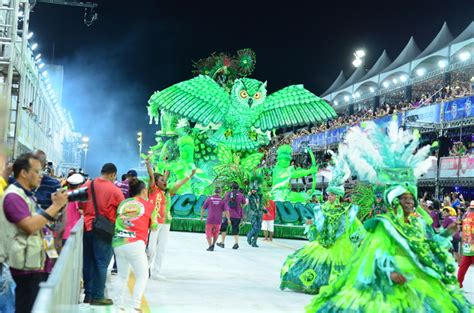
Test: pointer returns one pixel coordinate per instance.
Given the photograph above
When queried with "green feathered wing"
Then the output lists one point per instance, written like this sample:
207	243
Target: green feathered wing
199	99
293	106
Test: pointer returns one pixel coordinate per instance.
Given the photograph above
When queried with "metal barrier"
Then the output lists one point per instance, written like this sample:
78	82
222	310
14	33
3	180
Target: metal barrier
61	292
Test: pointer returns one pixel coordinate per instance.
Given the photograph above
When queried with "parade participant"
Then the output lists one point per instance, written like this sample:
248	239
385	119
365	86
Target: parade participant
467	258
135	216
402	265
319	262
161	195
216	206
268	221
235	201
254	215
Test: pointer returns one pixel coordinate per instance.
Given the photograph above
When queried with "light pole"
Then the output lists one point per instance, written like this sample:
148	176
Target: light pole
140	142
85	147
359	56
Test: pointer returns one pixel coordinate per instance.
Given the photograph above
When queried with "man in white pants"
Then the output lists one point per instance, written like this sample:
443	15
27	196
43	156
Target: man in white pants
268	220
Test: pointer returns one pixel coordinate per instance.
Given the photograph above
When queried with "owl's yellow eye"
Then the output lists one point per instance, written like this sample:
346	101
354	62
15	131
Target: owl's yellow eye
244	94
257	95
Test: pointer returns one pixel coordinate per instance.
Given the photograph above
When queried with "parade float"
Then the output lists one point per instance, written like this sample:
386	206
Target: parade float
217	123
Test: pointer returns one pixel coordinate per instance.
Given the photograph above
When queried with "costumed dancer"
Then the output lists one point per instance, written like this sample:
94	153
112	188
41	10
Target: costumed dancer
161	195
255	213
333	233
402	265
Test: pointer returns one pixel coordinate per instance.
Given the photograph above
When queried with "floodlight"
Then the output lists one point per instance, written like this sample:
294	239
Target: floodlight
442	64
385	84
38	56
41	66
335	102
403	78
30	35
360	54
420	72
371	89
346	98
357	94
34	46
394	80
45	73
357	62
464	56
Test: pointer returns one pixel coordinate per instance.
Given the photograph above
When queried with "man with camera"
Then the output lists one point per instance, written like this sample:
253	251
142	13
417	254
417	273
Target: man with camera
26	244
104	198
49	184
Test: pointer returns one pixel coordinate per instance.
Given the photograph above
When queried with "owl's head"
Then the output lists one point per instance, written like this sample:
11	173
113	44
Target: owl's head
249	92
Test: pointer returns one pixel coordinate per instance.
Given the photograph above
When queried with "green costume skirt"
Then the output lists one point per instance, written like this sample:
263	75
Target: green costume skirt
365	284
314	266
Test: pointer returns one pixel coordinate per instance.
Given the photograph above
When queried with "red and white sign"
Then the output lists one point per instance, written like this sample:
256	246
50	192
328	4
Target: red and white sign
452	167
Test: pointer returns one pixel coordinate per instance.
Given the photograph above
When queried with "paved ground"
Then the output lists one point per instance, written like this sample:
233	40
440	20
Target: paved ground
226	280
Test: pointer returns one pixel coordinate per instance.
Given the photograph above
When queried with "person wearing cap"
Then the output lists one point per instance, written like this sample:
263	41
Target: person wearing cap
467	258
73	213
216	207
255	214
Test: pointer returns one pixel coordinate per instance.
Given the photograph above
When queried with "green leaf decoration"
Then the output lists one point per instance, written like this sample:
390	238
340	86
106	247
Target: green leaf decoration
224	154
252	161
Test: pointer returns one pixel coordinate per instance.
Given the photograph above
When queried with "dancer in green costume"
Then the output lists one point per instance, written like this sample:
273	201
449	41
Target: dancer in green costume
333	235
402	265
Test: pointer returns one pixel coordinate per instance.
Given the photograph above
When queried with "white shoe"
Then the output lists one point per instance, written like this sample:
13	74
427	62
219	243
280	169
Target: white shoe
157	277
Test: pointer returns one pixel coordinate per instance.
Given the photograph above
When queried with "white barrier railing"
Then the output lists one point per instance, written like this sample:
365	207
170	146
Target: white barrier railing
61	292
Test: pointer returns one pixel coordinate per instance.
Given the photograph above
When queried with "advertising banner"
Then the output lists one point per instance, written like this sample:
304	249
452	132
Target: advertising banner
458	109
426	114
452	167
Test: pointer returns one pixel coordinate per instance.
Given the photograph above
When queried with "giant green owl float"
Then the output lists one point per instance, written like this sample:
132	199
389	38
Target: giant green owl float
228	109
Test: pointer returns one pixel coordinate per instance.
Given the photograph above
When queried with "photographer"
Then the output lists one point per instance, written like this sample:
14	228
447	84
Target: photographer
73	213
23	225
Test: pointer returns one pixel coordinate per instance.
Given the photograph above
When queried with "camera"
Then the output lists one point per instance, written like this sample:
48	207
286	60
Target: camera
78	195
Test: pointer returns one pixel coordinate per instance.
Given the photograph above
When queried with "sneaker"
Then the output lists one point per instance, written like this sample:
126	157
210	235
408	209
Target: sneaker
114	271
249	241
236	246
211	248
254	245
220	244
87	299
103	301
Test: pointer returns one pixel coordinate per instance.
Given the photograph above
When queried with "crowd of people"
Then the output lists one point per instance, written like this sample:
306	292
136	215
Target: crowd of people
127	219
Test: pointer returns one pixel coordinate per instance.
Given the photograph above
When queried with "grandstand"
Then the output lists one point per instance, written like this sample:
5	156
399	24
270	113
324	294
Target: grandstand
431	90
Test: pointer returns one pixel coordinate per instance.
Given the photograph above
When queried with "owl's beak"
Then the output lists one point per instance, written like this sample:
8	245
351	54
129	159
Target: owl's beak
250	101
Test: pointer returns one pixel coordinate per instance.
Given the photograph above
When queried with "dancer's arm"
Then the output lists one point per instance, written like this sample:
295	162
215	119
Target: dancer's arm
149	169
180	183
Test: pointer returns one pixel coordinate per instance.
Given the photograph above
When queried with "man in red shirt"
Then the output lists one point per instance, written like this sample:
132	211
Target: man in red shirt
268	220
97	251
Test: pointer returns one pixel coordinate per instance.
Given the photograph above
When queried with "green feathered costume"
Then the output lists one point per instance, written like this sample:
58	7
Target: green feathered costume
395	243
333	236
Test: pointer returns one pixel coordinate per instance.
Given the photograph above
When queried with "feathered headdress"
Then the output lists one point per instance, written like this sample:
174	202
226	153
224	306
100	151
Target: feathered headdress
339	173
389	158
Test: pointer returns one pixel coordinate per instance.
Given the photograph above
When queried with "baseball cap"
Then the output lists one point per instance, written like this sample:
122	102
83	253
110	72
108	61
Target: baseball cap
132	173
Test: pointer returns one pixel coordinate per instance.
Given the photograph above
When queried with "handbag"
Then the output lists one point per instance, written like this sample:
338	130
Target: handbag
101	226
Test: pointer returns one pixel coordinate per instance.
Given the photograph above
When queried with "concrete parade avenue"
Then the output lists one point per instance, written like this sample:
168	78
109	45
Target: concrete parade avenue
226	280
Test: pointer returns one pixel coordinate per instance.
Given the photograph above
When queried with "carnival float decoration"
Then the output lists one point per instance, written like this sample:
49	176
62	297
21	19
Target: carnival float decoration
217	121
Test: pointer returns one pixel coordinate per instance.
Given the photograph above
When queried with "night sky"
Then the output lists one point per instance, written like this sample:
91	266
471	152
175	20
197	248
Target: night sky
137	47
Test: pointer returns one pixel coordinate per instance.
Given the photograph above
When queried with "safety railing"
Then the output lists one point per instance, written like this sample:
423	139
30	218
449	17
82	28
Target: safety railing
61	292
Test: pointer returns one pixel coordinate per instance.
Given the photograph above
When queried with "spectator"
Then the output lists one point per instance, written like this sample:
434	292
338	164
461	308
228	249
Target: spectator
97	250
135	216
449	219
467	244
48	185
22	219
255	215
268	221
215	206
123	185
73	213
235	201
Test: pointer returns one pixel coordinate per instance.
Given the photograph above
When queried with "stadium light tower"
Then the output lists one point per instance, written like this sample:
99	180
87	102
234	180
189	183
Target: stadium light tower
359	57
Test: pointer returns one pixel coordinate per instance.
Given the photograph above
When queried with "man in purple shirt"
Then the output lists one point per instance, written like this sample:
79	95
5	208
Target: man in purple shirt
235	201
215	206
23	219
